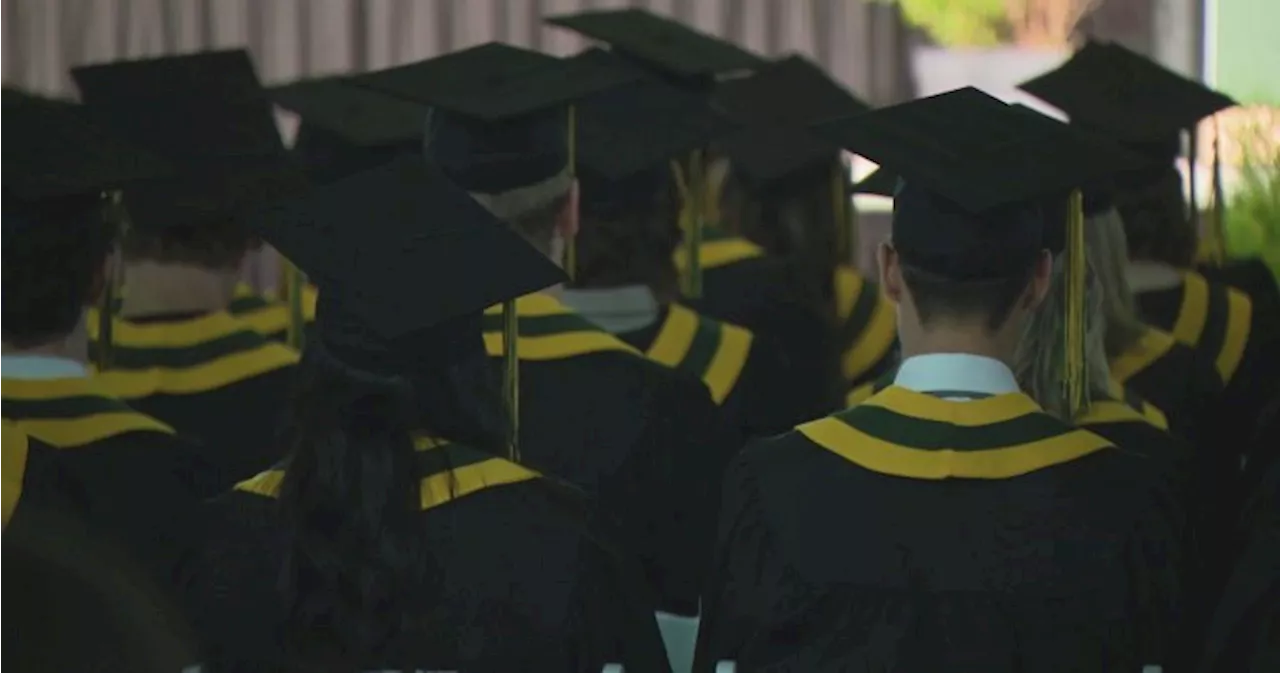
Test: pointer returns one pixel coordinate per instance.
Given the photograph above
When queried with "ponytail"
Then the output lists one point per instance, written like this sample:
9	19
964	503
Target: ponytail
354	571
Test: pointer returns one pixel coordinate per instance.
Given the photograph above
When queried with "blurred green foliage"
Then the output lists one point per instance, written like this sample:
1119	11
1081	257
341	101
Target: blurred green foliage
1253	209
958	23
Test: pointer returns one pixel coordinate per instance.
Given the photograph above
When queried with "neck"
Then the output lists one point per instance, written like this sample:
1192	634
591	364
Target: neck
73	346
152	288
968	339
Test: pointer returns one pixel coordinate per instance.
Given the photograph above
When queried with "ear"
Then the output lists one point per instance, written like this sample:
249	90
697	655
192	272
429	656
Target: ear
567	223
1041	280
890	272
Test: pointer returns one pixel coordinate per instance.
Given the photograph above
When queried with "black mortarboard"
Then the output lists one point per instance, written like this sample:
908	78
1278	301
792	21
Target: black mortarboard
668	47
1109	88
776	105
346	128
499	116
208	115
623	157
980	177
373	240
881	182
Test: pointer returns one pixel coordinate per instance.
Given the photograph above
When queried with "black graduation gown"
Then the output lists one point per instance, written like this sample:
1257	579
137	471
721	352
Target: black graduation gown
128	475
211	378
859	543
269	316
742	286
1243	344
868	327
746	374
1251	276
524	582
1177	379
643	440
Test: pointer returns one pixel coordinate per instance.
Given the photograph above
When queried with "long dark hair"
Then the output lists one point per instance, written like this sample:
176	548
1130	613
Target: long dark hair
629	240
357	572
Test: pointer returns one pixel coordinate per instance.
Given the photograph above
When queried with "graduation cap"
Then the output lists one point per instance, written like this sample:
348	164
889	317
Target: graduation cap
371	241
1110	88
789	91
499	118
208	115
976	175
664	46
346	127
623	158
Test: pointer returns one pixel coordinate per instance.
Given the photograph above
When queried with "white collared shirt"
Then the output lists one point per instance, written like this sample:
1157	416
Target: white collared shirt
956	372
614	309
40	367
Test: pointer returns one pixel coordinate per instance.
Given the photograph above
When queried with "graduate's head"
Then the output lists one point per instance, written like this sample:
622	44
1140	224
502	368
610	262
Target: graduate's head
406	264
1108	256
208	114
55	265
630	170
951	271
1157	225
967	260
59	227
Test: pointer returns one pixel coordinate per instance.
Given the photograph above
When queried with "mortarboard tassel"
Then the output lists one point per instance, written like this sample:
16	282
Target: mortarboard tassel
293	281
840	209
1075	374
691	218
113	211
511	376
1218	230
571	245
1193	187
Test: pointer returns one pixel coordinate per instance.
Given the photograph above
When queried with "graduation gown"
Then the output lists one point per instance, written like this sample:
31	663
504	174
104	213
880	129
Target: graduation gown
524	582
1251	276
913	533
1177	379
867	327
742	286
128	475
1242	343
748	377
210	377
643	440
269	316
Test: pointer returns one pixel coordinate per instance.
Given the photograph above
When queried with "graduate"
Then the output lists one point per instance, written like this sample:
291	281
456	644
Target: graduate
624	278
176	353
393	536
1115	92
788	191
643	439
125	473
724	275
972	530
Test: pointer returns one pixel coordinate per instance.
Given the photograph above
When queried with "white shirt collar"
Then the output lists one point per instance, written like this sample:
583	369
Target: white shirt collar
964	372
615	309
40	367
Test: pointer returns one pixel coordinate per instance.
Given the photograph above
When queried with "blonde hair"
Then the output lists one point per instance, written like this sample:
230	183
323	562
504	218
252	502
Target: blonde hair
1108	255
1038	364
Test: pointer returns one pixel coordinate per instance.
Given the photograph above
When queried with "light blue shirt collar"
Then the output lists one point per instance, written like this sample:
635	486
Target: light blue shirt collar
946	372
40	367
614	309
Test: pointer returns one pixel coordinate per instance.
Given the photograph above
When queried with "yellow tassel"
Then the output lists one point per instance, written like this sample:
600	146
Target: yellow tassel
113	211
839	212
293	281
511	376
692	211
571	245
1075	373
